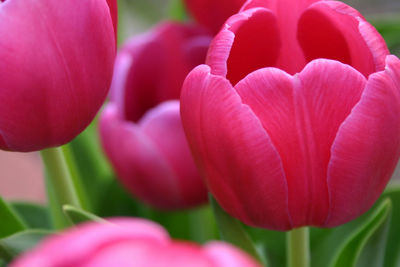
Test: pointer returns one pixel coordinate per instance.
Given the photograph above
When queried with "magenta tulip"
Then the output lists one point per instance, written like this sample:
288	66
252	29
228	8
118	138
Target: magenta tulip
296	120
150	68
213	13
145	141
56	60
129	243
152	157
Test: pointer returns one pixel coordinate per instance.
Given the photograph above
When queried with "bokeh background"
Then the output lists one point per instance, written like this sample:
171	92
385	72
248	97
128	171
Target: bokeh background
21	173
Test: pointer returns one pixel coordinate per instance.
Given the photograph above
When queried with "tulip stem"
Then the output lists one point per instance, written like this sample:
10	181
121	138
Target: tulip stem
60	185
298	247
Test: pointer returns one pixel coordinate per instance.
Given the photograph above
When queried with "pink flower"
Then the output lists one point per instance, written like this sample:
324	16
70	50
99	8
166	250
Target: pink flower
128	243
145	141
213	13
295	120
56	59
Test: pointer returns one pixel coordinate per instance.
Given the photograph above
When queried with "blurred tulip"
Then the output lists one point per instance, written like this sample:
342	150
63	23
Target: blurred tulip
295	121
150	68
56	59
213	13
150	153
129	243
152	157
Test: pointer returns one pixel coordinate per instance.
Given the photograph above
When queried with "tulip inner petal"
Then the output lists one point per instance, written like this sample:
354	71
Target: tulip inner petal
256	45
332	31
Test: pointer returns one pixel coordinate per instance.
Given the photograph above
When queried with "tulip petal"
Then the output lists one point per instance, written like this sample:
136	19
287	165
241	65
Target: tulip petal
143	77
212	14
302	114
242	167
164	127
81	243
333	30
224	254
113	5
56	61
367	147
235	53
137	160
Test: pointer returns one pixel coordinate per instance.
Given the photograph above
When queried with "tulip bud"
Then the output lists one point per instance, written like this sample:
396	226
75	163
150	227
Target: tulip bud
56	59
295	119
128	242
143	140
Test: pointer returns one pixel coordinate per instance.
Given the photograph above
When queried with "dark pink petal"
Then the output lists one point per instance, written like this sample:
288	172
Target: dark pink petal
333	30
138	162
56	60
279	6
367	147
302	114
242	167
78	244
113	5
163	126
151	68
249	41
213	13
224	255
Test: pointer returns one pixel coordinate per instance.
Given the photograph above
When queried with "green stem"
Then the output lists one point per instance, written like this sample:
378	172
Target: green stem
298	247
61	188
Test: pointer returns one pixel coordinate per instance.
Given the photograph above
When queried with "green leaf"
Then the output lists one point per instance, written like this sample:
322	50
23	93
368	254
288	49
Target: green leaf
375	228
392	254
34	215
91	167
77	216
10	222
12	246
232	231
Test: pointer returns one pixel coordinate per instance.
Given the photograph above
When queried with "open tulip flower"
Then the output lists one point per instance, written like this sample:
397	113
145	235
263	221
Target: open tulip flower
129	243
54	76
145	141
295	118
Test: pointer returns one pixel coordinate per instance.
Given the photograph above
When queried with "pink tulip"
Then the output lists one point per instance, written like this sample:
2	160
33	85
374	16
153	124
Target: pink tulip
296	119
145	141
150	68
213	13
152	157
128	243
56	59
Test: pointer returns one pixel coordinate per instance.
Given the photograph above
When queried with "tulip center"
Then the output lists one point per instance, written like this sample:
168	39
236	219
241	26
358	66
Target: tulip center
274	38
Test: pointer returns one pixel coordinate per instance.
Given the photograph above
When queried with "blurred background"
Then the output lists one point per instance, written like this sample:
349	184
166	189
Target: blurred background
21	173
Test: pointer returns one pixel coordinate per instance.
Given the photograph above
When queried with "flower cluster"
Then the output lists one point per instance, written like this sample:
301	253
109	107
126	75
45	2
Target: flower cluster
285	111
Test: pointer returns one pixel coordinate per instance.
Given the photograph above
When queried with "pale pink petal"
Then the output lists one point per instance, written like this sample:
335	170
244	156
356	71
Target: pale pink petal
224	254
301	115
78	244
242	167
333	30
367	147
